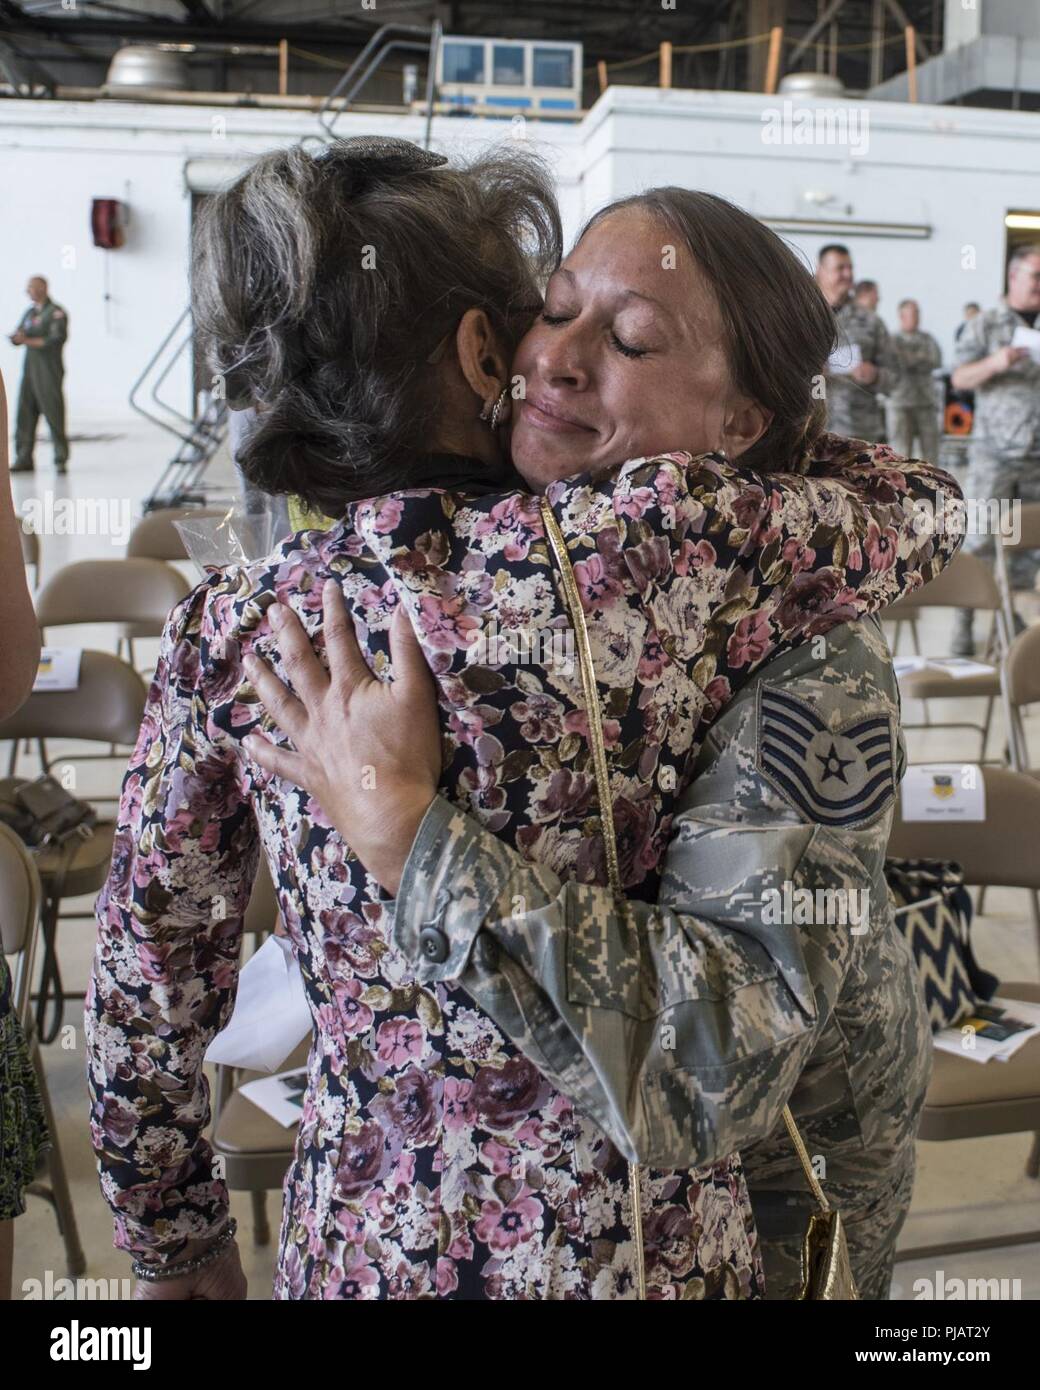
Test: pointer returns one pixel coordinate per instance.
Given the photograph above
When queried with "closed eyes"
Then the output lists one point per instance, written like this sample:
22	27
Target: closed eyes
624	348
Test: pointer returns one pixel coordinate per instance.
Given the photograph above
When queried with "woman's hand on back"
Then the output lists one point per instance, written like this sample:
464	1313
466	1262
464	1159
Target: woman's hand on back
368	751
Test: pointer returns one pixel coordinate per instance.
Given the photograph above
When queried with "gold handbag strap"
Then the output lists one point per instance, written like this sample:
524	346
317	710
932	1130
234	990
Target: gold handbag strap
588	682
803	1158
572	598
606	810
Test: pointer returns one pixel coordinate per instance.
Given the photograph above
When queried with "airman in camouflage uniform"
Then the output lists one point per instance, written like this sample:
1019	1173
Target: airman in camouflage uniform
853	406
913	410
683	1028
1005	444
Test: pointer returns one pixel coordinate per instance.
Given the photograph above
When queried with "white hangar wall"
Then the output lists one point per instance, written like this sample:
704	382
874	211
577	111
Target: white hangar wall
953	172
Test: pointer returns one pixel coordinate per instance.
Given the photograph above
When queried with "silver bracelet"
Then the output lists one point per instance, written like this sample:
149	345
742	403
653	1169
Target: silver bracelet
155	1274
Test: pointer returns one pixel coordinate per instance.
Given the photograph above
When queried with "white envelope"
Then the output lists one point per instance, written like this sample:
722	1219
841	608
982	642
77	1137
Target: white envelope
271	1014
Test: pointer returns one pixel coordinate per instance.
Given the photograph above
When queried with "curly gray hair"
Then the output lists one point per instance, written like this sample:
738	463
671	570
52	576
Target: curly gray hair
323	283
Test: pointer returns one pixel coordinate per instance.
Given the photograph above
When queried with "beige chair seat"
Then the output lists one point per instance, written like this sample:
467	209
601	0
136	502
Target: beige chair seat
244	1129
940	685
967	1099
89	867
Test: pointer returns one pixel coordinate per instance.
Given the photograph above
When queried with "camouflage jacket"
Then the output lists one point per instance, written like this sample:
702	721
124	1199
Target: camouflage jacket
1007	407
769	970
915	356
852	407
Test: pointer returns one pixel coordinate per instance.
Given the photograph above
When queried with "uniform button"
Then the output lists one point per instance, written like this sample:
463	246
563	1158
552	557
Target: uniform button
434	945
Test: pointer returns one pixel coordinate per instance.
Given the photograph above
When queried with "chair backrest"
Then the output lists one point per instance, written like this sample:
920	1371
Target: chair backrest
1000	851
110	591
155	537
1029	532
1023	667
966	582
19	892
107	706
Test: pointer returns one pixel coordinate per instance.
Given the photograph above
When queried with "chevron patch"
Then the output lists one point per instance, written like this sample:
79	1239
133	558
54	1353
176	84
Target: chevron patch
841	777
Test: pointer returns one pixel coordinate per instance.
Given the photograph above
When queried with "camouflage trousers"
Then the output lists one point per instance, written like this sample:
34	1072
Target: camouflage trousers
872	1212
914	424
1011	479
856	413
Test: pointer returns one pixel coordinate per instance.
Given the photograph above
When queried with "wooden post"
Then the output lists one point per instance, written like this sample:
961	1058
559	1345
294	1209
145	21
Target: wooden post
666	64
283	67
776	35
911	61
601	70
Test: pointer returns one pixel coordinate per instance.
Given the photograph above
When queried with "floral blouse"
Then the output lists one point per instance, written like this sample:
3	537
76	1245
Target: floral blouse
433	1160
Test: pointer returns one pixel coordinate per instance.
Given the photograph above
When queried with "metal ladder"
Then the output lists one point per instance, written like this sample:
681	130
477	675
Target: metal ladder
200	436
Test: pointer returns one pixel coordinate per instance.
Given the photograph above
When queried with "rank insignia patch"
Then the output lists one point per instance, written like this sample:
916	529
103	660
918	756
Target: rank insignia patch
845	776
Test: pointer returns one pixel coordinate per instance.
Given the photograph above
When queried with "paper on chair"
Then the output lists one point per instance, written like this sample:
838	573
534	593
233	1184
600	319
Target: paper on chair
271	1015
957	667
943	791
58	669
279	1096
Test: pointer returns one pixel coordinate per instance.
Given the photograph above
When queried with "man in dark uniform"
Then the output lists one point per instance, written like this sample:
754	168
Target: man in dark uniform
42	332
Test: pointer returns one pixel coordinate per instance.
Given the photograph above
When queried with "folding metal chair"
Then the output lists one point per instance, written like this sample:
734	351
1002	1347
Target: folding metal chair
965	1099
967	582
20	897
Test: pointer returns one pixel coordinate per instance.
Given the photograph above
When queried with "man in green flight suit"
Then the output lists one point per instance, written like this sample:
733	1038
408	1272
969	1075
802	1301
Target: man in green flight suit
42	332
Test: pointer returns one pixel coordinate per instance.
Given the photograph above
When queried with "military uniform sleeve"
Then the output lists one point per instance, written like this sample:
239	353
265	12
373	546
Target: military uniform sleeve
57	328
680	1027
973	344
166	960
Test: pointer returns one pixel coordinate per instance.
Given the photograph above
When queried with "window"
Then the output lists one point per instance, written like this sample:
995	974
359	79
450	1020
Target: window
507	65
463	62
553	67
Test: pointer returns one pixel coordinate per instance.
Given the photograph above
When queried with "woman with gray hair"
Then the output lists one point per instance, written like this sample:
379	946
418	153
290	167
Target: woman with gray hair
434	1159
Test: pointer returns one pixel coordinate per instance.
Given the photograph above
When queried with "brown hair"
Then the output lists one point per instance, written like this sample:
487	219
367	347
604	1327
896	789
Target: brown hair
778	329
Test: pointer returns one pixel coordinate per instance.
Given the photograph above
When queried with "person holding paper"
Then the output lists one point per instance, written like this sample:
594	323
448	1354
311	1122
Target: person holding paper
861	366
912	408
997	359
